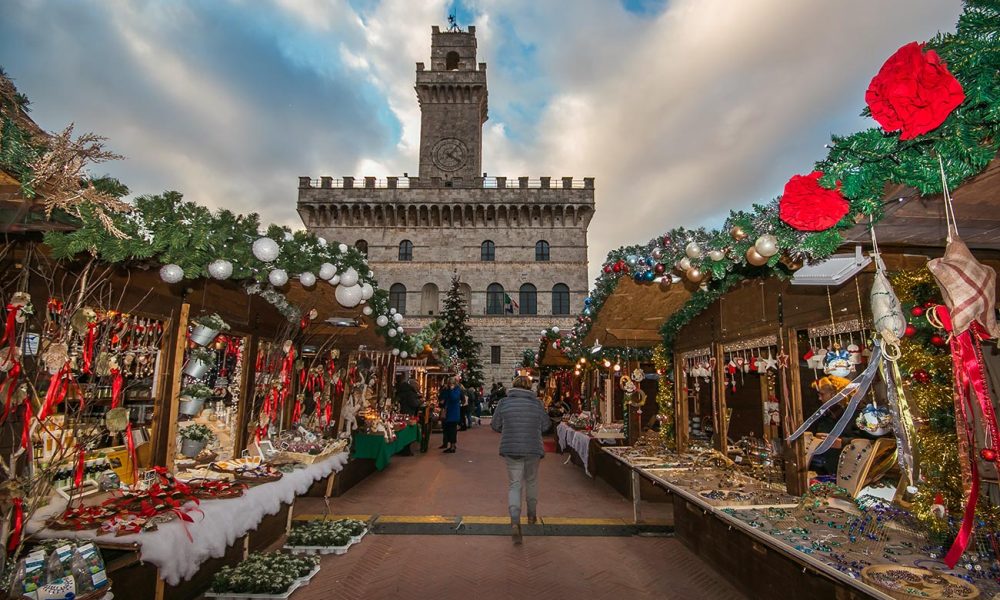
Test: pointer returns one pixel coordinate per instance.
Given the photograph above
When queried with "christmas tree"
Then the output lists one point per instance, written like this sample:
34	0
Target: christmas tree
457	338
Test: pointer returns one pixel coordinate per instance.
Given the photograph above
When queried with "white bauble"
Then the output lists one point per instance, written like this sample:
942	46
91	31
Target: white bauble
220	269
327	270
335	280
400	331
349	296
342	247
398	317
277	277
555	330
349	277
684	264
367	291
382	321
716	255
392	311
766	245
367	311
404	354
171	273
307	279
288	236
545	331
693	250
391	333
265	249
321	241
395	351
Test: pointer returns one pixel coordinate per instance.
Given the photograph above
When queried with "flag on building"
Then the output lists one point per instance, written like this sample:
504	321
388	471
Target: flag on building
509	306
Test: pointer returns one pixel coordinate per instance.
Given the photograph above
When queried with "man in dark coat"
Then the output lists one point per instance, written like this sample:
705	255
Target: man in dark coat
408	397
521	419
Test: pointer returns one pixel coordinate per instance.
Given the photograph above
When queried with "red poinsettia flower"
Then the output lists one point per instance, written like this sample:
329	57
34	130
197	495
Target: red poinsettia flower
807	206
913	92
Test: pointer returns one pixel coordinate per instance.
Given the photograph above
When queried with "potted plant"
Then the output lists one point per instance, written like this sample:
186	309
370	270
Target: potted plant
206	327
194	438
200	361
192	398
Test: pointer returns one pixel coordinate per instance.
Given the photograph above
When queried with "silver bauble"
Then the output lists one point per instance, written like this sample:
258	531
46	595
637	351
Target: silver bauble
327	270
335	280
171	273
265	249
716	255
766	245
349	277
693	250
684	264
348	296
391	333
367	311
367	291
220	269
398	317
382	321
657	253
277	277
307	279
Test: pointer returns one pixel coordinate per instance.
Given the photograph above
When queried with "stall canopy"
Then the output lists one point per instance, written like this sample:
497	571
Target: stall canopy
631	317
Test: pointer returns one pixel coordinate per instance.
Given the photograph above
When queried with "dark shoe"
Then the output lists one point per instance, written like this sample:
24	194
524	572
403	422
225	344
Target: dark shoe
449	451
516	534
532	519
442	446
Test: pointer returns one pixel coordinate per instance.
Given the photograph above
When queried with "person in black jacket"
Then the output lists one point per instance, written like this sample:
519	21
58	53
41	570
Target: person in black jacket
521	419
408	397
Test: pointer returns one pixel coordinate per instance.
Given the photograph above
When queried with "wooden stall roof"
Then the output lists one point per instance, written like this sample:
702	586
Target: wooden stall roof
919	221
632	315
554	358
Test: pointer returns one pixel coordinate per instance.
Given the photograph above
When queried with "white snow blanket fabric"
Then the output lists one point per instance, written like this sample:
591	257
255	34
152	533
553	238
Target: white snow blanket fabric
577	440
223	522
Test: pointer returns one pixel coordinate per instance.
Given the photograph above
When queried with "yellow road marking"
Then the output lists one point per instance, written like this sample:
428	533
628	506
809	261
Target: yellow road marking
310	517
416	519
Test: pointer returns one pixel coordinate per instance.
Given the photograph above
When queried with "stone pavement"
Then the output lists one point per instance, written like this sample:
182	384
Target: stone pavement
473	482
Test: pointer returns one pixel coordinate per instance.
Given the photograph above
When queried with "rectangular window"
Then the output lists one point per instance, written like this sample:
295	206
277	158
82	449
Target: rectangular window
495	355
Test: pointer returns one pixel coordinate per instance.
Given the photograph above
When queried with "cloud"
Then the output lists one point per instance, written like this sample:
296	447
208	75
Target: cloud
682	110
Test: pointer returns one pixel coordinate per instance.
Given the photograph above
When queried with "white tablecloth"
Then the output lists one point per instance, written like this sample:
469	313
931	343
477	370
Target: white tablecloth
577	440
223	522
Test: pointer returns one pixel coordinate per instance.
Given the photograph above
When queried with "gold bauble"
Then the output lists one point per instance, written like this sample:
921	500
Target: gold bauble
694	274
754	258
793	264
738	233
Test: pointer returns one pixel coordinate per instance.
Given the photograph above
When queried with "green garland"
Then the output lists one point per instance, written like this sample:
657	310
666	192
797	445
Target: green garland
864	163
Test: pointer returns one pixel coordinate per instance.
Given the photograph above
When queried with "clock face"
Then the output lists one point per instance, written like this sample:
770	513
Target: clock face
450	154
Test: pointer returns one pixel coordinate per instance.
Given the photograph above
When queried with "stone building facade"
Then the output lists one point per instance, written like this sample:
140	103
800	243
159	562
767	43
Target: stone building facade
519	238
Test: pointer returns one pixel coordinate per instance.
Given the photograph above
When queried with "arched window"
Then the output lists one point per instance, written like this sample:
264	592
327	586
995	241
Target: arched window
429	299
541	251
451	61
487	252
397	297
495	299
406	250
362	246
560	299
466	291
528	300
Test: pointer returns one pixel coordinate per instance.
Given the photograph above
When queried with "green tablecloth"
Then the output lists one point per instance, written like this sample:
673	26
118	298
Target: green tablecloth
375	446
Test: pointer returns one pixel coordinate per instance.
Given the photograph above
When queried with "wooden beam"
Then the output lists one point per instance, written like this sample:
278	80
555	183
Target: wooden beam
719	401
246	399
681	419
796	464
171	400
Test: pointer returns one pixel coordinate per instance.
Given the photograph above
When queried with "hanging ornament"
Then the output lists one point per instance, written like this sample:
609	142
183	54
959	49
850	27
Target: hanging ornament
917	311
367	311
307	279
321	241
367	291
793	264
754	258
716	255
171	273
335	280
327	270
684	264
921	376
937	340
404	354
665	283
342	248
382	321
349	277
988	454
392	311
607	269
631	259
220	269
398	317
277	277
694	275
657	254
910	331
938	509
265	249
766	245
659	269
395	351
391	333
738	234
693	250
348	296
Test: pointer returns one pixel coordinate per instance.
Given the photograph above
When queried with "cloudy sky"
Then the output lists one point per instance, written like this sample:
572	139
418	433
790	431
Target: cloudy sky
682	109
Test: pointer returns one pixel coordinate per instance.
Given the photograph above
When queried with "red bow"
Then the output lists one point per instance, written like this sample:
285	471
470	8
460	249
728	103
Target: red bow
117	381
18	527
9	333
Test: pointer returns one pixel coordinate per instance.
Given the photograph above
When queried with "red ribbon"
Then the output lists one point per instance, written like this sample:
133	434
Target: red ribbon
15	374
9	333
18	528
56	393
130	444
117	381
329	412
26	431
81	461
88	348
297	410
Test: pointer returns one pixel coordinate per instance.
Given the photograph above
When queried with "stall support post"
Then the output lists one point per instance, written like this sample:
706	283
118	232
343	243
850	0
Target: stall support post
681	417
247	389
168	438
796	463
164	381
719	401
636	496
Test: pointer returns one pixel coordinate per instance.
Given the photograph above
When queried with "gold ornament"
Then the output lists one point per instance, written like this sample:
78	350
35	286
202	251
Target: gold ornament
694	275
82	318
738	234
793	264
754	258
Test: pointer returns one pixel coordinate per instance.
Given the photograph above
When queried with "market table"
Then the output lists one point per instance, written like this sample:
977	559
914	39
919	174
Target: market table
374	446
576	440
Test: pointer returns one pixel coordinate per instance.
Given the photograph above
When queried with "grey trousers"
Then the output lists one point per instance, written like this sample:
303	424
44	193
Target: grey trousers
523	468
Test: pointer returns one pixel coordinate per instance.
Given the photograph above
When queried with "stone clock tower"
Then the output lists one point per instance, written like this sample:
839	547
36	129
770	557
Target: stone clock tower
452	96
519	244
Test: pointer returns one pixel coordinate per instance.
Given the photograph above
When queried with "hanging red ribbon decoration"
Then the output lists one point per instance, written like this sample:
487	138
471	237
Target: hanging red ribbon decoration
9	334
26	431
58	385
117	382
81	463
17	529
12	380
130	444
967	365
297	410
329	412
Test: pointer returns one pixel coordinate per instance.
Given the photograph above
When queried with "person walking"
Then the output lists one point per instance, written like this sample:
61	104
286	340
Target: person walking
451	414
464	407
521	419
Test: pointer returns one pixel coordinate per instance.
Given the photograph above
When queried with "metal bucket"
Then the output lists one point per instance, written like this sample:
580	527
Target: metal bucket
197	369
190	406
191	448
203	335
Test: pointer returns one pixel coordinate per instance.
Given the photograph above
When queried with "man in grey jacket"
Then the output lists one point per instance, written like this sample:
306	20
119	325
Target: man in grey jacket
521	419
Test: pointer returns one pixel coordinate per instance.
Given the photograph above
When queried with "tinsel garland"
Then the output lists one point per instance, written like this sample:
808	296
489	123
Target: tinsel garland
931	400
665	395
